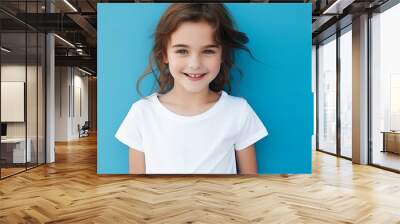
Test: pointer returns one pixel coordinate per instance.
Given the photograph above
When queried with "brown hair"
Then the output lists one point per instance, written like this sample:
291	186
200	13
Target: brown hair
225	35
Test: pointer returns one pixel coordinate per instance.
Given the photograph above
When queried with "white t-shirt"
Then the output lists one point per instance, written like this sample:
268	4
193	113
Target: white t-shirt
200	144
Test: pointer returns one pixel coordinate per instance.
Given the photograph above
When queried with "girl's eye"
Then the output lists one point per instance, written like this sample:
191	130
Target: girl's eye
182	51
209	51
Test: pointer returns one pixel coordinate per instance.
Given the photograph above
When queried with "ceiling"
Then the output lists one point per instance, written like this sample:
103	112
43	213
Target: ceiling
76	22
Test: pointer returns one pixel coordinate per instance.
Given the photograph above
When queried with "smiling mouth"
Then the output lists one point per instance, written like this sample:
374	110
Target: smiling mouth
195	75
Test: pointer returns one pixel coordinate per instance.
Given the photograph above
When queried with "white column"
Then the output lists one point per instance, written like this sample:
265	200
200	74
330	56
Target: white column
314	92
50	110
50	91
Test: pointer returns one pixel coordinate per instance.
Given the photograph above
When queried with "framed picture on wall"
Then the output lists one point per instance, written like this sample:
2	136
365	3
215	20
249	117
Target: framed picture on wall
12	101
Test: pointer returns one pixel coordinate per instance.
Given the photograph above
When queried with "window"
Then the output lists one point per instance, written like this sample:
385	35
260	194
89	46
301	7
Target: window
327	95
385	88
346	92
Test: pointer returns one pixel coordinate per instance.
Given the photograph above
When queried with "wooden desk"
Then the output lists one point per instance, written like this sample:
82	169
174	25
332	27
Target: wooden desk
16	147
391	141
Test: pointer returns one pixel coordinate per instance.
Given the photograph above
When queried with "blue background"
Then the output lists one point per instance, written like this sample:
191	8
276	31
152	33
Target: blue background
277	86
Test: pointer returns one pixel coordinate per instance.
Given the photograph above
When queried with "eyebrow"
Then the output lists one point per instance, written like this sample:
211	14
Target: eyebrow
186	46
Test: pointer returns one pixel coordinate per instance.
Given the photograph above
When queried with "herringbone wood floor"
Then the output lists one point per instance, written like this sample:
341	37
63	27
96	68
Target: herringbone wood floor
70	191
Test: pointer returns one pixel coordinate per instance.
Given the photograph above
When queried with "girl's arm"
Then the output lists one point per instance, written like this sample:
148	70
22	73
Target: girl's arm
246	159
136	162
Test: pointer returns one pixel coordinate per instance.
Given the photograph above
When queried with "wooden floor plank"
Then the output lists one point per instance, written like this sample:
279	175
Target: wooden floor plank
70	191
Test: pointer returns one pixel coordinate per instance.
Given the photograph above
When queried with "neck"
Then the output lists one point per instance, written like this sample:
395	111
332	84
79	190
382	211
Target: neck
183	97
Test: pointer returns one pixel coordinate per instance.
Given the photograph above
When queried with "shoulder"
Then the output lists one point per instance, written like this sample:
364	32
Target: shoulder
235	102
238	107
143	104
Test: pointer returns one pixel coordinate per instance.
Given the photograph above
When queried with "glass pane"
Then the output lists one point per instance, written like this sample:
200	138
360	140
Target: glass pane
327	96
31	101
13	87
386	89
346	94
23	88
395	102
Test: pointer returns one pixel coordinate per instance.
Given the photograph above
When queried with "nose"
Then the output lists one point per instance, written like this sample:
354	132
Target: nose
194	62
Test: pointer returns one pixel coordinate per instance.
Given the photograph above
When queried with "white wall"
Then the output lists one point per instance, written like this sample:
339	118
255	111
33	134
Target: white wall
71	87
16	73
61	103
80	89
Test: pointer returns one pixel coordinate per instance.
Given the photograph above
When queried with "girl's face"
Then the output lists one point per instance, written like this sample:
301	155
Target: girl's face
193	56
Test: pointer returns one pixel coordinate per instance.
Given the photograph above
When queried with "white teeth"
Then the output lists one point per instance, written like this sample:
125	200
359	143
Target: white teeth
195	75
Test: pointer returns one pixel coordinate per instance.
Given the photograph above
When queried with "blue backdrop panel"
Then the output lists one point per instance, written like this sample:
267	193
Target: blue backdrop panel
277	85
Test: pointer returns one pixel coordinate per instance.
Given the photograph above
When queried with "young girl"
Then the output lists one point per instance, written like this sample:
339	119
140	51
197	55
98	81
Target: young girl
191	125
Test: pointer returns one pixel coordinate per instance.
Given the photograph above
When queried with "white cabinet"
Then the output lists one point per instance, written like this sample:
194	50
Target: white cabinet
18	149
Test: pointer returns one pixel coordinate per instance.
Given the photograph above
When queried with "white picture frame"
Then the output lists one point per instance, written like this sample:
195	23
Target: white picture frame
12	101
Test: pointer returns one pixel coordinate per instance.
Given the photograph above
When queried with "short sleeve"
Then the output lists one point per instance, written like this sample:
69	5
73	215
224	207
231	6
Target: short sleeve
129	130
251	130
